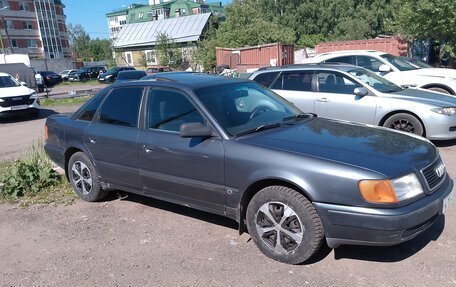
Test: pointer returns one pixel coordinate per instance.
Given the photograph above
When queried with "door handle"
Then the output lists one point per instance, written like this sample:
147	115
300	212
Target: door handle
92	140
148	149
323	100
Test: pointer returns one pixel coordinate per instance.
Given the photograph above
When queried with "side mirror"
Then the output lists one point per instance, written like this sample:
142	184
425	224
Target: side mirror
384	68
360	92
190	130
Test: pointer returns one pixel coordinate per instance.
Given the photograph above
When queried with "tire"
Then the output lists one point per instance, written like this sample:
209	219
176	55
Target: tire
440	90
405	122
266	211
84	178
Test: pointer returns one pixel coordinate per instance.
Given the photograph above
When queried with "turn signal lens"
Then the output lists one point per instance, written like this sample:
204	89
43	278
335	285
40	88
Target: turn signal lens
46	135
377	191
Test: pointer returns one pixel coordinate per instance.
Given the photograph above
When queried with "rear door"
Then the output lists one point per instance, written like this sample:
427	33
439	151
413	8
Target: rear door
189	170
335	99
297	87
112	139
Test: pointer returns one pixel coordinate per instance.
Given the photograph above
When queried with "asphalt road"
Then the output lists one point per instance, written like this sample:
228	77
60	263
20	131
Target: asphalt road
143	242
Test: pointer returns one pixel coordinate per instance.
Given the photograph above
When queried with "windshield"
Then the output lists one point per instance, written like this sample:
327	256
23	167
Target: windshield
8	82
417	63
242	107
375	81
399	63
84	69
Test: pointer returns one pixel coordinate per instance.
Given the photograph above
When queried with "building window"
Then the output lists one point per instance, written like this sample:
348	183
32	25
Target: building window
9	25
140	15
151	57
123	22
14	43
23	7
31	43
28	25
129	58
3	3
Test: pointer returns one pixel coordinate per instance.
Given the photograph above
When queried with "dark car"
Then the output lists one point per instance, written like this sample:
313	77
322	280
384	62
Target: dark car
85	74
154	77
50	78
128	76
111	75
290	179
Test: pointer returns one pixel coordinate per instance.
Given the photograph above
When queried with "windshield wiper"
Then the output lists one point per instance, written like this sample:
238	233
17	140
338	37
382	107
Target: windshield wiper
258	129
300	116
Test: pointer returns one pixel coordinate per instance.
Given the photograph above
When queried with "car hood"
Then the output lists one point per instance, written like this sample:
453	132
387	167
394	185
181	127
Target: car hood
425	96
388	152
15	91
436	72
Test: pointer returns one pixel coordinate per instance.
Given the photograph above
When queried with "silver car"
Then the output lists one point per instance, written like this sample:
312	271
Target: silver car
346	92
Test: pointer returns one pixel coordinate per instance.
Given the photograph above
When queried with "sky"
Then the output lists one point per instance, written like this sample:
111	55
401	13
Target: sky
91	14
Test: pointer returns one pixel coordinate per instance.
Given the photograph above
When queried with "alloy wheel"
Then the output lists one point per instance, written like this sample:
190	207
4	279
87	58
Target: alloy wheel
81	177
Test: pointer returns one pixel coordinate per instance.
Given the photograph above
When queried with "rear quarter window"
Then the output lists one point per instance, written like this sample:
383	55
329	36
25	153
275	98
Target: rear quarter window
266	79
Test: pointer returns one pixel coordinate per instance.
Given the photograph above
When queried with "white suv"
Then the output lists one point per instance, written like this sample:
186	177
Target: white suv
395	69
15	97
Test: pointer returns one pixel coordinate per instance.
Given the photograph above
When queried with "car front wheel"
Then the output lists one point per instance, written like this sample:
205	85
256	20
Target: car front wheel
284	224
84	178
405	122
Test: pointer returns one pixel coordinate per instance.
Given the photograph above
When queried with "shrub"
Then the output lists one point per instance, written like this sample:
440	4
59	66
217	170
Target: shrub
30	175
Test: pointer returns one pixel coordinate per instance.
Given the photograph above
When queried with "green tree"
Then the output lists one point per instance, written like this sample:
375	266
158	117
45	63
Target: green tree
79	40
168	53
100	49
426	19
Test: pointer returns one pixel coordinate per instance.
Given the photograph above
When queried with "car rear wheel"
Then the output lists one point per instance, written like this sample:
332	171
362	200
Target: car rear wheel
440	90
284	225
84	178
405	122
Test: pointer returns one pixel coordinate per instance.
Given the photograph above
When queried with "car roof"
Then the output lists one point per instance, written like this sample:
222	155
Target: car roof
197	80
310	66
4	74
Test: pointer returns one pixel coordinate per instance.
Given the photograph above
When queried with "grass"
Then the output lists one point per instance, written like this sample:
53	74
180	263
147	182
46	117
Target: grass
31	181
49	102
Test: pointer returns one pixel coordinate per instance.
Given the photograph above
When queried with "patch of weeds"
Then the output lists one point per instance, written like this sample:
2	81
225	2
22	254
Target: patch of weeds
49	102
32	180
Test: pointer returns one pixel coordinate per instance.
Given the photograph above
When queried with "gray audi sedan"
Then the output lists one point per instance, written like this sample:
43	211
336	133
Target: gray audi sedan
346	92
292	180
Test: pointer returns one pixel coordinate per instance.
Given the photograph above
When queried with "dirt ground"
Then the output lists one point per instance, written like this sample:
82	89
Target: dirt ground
144	242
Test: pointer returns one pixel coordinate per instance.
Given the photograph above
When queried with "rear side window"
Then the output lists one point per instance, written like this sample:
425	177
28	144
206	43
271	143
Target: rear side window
294	81
266	79
89	112
121	108
345	59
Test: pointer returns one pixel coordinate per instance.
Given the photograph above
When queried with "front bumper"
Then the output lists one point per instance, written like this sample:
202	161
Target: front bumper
440	127
381	226
21	107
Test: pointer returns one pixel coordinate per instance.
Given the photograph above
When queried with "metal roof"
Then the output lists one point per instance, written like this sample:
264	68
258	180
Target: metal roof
180	30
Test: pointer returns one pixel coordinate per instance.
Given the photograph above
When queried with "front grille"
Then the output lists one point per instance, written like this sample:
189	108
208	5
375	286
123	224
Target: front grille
417	229
432	179
16	101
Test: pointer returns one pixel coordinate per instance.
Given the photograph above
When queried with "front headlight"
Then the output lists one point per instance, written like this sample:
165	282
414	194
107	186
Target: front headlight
2	100
448	111
33	96
390	191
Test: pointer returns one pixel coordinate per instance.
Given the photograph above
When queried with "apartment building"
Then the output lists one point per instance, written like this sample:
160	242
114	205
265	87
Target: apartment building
34	27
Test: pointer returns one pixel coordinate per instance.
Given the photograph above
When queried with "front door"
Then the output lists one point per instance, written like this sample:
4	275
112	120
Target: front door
189	170
113	138
335	99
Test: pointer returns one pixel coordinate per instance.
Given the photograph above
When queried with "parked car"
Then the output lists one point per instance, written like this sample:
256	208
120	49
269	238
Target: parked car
291	179
64	74
157	69
128	76
154	77
50	78
346	92
111	75
15	97
86	73
395	69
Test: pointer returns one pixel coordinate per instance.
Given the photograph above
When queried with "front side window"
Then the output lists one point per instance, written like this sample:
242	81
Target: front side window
335	83
375	81
121	108
294	81
399	63
168	110
368	63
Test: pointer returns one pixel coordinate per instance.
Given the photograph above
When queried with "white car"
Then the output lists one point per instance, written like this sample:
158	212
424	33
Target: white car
14	97
65	73
396	69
